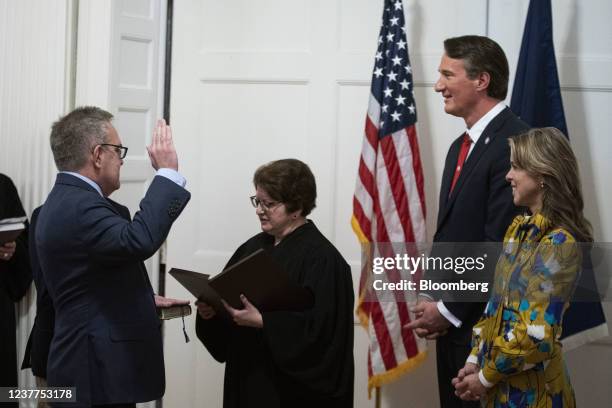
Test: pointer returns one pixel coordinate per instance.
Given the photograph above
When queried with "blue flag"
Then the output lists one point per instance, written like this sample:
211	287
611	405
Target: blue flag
536	98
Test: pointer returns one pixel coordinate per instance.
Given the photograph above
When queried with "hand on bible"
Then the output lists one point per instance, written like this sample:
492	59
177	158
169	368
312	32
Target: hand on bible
162	302
7	251
205	311
249	316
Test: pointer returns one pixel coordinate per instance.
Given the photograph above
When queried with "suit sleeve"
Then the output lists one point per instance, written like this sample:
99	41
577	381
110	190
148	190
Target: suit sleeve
110	237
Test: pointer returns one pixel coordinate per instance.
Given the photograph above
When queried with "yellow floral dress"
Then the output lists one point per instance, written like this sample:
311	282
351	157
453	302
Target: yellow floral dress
516	342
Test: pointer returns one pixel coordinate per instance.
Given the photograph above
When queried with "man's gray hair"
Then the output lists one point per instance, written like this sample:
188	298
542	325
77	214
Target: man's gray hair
75	135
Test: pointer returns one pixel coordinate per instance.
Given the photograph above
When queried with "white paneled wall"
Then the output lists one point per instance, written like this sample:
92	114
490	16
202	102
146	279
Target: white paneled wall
35	39
33	73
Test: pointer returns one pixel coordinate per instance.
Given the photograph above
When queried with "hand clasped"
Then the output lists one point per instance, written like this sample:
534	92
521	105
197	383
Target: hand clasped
429	323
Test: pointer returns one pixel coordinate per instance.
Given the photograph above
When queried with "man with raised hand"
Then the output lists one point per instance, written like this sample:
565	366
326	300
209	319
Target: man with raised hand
107	340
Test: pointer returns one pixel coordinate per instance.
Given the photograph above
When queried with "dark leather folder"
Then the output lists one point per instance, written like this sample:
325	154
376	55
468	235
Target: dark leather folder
197	284
258	276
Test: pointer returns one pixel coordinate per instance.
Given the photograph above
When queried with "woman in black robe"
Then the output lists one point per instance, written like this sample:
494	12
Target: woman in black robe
282	358
15	279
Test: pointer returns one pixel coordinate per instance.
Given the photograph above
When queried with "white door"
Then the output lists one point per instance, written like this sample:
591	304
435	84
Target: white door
135	96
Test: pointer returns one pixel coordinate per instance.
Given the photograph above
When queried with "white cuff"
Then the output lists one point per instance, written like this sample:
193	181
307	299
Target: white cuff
484	381
172	175
472	359
448	315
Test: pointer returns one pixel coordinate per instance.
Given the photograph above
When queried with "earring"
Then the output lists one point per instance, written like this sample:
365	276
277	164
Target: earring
541	184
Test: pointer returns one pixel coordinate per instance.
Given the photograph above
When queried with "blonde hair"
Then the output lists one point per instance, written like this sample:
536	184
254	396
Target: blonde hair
546	155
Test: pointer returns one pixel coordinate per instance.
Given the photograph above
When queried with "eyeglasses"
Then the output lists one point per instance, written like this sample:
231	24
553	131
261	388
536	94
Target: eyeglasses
266	206
121	150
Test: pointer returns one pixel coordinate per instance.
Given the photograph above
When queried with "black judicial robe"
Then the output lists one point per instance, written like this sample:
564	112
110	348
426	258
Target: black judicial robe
298	358
15	279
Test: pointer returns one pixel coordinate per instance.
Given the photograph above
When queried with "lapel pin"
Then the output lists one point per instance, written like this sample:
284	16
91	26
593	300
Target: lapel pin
487	140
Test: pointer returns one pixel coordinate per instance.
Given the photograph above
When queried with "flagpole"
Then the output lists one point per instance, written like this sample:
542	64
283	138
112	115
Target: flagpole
377	398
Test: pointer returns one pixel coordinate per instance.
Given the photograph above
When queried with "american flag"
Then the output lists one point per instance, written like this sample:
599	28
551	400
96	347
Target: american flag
389	201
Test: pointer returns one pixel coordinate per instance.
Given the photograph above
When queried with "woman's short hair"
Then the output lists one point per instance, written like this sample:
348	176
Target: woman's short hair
546	155
289	181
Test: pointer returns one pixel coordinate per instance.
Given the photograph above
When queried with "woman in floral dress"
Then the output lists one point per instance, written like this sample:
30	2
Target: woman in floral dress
517	358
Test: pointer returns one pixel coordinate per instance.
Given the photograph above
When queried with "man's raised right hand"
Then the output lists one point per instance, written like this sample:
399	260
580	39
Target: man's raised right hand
161	151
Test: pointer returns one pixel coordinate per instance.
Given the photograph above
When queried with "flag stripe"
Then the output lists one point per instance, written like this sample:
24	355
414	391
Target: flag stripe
398	190
417	171
383	338
362	220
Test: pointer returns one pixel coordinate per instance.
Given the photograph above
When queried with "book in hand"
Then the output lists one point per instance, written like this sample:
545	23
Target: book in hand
197	284
172	312
258	276
10	228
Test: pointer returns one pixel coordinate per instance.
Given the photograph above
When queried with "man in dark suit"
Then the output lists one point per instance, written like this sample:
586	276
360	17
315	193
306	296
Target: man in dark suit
107	340
475	199
37	349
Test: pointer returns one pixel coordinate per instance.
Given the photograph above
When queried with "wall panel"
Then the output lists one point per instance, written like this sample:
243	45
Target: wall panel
34	42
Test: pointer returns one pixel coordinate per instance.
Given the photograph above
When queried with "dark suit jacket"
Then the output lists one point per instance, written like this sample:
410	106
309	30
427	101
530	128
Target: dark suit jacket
480	207
107	340
37	349
39	341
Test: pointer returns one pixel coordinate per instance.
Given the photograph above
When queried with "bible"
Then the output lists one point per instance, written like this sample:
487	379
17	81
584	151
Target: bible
172	312
10	228
258	276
